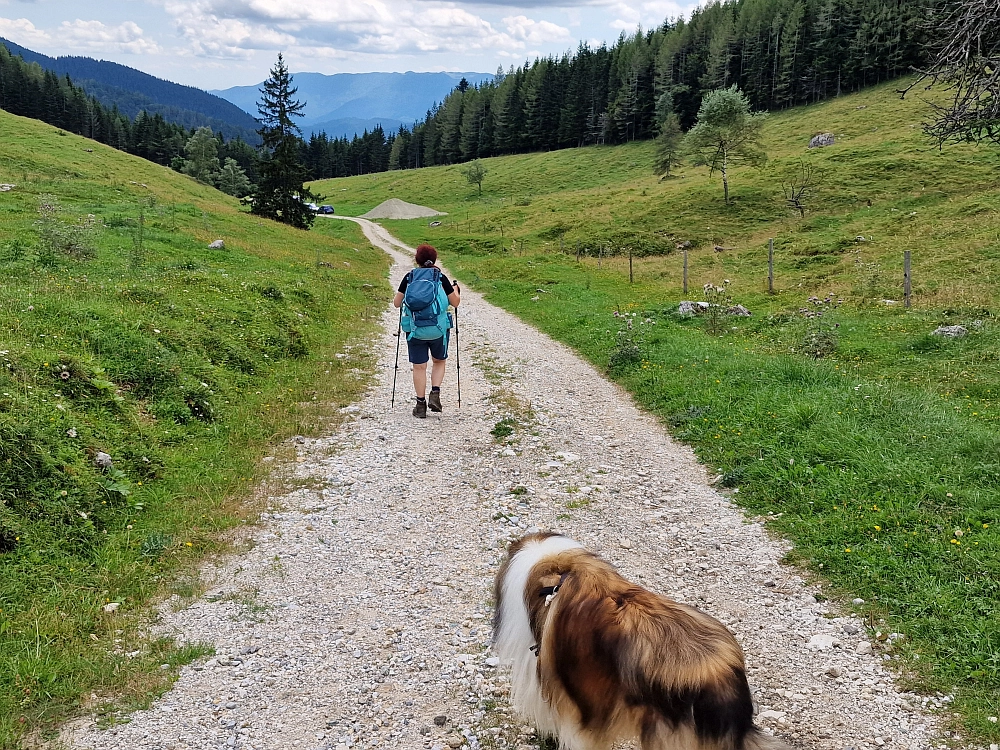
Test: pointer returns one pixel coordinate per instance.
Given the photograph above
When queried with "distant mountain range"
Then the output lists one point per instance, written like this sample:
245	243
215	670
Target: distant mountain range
340	105
347	103
132	90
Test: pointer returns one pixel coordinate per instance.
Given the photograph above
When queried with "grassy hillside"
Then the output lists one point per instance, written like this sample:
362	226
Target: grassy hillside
869	443
122	334
882	180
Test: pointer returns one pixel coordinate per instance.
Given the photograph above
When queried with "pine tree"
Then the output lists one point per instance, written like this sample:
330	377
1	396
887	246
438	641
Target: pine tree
668	146
232	180
281	194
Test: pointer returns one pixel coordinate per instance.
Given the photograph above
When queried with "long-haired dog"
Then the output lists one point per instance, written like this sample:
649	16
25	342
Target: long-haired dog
598	659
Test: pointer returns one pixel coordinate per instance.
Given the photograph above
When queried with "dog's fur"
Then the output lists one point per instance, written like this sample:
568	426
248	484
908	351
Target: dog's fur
615	661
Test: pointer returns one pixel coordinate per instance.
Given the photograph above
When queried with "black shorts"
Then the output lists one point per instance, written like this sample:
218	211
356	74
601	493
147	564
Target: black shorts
419	350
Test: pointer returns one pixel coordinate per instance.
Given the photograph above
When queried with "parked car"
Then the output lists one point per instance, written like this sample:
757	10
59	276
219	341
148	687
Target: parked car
312	207
326	209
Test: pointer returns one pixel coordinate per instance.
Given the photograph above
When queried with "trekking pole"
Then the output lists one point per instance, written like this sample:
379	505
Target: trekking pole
399	335
458	361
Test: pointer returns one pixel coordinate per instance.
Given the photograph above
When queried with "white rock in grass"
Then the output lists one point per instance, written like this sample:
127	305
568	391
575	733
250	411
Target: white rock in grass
951	332
111	607
687	307
217	245
102	460
864	648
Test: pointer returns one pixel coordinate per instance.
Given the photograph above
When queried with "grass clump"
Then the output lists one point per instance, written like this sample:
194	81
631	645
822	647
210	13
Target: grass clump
139	387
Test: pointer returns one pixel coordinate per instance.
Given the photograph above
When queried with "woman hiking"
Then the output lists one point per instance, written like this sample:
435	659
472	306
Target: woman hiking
424	295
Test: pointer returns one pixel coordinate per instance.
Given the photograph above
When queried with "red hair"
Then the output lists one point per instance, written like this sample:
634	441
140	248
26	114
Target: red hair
426	256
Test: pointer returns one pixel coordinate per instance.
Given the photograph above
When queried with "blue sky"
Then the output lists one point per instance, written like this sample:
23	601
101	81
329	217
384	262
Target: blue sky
220	43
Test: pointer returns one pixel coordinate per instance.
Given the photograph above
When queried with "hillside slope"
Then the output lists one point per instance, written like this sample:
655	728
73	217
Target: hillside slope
882	180
142	377
132	91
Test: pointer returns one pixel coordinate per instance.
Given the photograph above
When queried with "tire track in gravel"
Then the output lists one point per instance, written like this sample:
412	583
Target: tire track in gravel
361	613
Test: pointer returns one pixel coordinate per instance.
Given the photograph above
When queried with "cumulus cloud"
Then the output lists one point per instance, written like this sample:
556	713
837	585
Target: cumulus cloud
629	15
526	30
80	36
237	28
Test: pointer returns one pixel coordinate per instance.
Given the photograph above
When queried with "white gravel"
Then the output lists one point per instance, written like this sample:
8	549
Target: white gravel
394	208
362	611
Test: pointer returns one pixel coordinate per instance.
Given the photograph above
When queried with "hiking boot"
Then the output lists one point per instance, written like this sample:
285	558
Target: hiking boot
434	401
420	410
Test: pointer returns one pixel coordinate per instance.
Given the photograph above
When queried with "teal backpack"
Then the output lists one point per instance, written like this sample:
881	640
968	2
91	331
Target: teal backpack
425	306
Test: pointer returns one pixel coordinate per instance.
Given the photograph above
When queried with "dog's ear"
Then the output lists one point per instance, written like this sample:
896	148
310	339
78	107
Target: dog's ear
549	581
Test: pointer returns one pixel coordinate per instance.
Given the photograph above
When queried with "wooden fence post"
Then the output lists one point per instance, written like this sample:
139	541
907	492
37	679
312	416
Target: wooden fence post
906	279
600	255
631	278
770	266
578	251
685	271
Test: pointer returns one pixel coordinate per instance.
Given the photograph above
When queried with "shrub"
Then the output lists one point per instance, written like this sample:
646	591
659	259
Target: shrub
56	237
820	338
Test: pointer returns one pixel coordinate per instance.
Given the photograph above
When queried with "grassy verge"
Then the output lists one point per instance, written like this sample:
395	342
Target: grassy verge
869	443
124	335
879	460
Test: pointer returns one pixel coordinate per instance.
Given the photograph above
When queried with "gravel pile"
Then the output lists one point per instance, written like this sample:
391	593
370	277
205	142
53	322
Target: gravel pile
360	616
394	208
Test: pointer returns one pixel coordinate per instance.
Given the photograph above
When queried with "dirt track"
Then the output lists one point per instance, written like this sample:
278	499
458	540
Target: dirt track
361	613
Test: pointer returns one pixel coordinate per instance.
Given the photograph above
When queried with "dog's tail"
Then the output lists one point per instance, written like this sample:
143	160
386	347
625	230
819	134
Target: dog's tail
758	740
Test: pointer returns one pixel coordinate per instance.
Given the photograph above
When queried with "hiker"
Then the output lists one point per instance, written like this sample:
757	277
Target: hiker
424	295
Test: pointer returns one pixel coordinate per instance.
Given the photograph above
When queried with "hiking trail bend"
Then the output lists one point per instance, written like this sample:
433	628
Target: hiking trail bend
360	616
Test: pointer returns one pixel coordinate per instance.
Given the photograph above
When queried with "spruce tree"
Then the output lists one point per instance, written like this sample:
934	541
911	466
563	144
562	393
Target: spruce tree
668	146
280	193
232	179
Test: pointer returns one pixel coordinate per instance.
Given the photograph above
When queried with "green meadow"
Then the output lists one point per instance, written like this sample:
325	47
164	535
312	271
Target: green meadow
869	443
122	333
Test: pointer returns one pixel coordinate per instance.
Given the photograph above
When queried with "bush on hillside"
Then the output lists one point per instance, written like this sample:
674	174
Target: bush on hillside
620	241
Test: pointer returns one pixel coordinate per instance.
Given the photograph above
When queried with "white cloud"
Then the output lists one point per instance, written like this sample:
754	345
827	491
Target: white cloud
627	18
94	35
526	30
80	36
649	14
331	30
22	31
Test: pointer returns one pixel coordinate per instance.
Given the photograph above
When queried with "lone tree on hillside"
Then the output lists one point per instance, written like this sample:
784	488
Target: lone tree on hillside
475	172
668	146
967	62
281	194
202	151
727	133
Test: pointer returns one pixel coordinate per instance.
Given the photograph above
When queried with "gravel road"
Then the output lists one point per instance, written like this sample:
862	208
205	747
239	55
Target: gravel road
359	618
